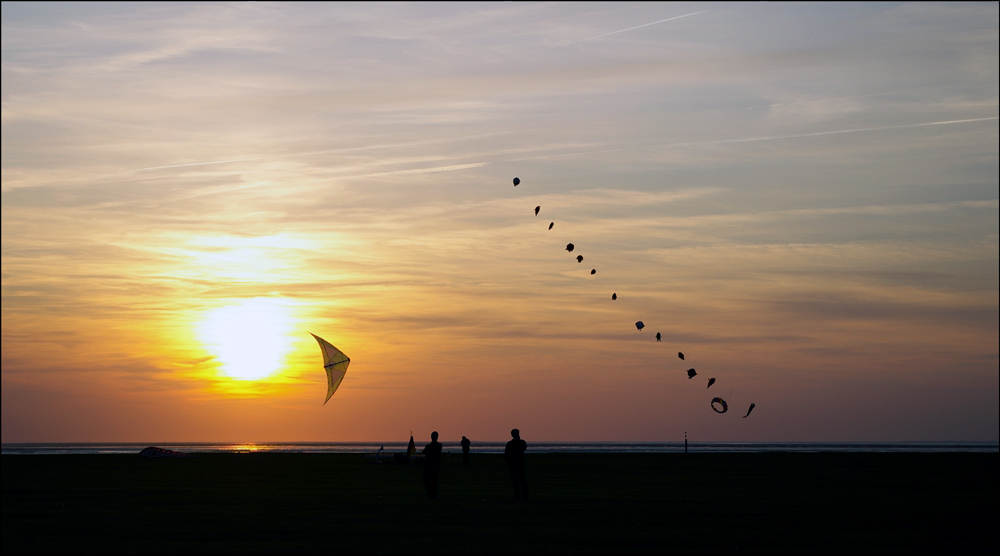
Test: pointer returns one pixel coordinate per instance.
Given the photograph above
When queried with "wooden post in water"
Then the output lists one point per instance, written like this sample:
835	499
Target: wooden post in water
685	442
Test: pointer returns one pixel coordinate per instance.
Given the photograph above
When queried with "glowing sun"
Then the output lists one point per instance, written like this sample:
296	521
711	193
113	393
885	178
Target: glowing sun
250	339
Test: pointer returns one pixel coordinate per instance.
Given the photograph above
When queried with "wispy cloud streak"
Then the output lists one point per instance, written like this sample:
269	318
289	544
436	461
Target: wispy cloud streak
321	152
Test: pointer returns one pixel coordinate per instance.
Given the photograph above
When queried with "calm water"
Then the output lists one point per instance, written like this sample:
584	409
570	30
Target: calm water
497	447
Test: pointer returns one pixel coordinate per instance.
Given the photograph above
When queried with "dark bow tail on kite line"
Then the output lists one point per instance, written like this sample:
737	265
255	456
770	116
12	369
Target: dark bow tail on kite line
718	404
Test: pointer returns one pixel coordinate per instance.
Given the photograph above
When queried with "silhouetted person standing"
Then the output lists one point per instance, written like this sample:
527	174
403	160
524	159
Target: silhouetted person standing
514	454
432	465
466	445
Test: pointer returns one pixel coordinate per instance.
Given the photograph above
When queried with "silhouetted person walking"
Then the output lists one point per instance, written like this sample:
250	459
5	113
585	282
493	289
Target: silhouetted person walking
514	454
466	445
432	465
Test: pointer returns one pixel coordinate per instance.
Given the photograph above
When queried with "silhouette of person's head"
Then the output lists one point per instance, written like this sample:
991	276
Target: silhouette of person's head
515	433
434	435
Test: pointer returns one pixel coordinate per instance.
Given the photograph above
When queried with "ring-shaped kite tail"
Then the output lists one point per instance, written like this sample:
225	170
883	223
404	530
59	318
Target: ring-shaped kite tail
335	363
723	406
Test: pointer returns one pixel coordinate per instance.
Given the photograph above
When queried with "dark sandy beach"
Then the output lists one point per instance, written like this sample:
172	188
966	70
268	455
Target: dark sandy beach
742	503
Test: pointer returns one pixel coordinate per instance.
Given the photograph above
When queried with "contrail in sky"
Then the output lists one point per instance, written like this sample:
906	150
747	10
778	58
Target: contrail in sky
835	132
326	151
450	139
761	138
433	170
633	28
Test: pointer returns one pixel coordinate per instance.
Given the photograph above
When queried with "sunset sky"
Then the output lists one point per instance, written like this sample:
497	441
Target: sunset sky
801	198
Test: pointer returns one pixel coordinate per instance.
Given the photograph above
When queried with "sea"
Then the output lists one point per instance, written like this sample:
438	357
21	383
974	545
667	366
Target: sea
496	447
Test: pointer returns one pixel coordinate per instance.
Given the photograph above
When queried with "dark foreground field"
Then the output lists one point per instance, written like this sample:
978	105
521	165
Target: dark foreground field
773	503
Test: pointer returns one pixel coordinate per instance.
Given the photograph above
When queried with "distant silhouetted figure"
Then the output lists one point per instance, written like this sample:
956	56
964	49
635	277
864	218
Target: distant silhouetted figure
514	454
432	465
466	445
